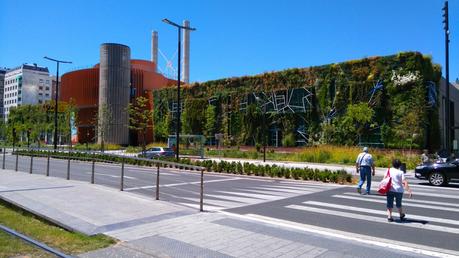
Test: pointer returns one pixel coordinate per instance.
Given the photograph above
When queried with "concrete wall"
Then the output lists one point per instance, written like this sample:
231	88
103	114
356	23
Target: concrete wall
114	86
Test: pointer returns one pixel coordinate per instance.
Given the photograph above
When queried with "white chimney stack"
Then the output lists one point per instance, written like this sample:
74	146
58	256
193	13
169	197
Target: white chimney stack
154	48
186	52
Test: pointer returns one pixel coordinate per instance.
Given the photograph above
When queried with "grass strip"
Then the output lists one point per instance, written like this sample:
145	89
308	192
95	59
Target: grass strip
41	230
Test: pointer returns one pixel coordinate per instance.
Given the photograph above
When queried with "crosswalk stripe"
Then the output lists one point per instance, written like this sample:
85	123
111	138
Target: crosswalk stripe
251	195
407	200
435	187
405	204
382	212
240	199
372	218
282	190
381	242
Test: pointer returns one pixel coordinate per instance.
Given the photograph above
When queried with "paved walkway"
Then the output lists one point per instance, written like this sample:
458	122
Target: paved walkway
149	228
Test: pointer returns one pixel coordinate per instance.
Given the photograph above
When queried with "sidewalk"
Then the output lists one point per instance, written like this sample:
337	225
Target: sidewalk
149	228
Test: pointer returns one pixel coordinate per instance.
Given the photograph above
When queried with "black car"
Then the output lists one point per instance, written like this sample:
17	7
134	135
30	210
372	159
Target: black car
438	173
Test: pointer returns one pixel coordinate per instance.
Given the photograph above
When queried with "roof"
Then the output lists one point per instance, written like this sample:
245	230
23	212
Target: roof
33	67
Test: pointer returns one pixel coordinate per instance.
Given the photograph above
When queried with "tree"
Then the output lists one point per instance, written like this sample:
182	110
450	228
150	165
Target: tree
353	124
140	117
102	121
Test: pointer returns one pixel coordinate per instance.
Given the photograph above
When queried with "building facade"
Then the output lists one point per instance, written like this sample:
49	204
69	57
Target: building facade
454	113
26	84
91	88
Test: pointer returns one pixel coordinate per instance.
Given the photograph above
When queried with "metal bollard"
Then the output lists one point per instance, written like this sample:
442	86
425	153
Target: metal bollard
201	201
47	166
122	175
92	173
31	164
68	168
157	181
17	159
3	165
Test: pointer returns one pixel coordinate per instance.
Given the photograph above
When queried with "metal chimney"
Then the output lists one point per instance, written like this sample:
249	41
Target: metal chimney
154	48
186	52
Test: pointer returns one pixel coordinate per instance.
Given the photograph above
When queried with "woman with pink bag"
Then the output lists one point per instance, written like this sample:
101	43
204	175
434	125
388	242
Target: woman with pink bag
398	185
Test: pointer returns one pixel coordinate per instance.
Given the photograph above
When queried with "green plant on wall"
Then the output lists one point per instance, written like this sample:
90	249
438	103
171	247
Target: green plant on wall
334	88
211	122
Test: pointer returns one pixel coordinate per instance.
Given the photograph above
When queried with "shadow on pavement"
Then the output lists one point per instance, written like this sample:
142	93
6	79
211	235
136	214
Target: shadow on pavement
405	221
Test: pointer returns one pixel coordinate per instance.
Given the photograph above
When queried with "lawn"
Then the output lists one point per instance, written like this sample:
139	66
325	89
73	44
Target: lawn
28	224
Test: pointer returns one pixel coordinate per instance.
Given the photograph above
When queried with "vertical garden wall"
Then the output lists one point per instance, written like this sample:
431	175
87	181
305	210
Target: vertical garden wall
385	101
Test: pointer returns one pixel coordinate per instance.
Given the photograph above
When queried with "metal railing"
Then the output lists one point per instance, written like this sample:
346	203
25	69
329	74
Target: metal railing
94	157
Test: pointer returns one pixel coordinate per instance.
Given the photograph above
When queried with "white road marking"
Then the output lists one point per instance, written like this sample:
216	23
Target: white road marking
282	190
205	181
381	242
179	184
382	212
371	218
406	200
252	195
139	188
405	205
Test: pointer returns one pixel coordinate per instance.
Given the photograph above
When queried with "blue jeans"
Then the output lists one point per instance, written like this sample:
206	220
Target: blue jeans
390	200
365	174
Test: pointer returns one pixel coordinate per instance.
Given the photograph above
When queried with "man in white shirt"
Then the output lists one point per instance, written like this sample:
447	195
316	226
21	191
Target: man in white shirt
364	165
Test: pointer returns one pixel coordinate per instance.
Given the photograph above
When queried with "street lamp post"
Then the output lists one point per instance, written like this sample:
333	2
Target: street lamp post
179	28
56	97
447	104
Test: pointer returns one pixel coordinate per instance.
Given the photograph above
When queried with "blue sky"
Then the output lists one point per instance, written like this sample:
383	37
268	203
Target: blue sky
233	38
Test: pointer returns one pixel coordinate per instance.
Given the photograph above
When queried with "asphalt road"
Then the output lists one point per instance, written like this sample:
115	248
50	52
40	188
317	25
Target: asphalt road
433	212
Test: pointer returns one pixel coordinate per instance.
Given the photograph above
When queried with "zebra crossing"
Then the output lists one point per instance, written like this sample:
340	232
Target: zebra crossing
256	191
443	204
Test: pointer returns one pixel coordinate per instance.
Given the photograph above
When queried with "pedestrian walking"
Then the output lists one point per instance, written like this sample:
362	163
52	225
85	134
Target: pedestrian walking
365	166
398	185
425	157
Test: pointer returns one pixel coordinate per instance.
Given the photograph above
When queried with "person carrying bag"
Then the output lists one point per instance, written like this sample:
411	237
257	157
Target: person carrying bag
394	183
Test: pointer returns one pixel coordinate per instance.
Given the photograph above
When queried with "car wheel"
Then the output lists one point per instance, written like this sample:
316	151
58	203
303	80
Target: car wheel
437	179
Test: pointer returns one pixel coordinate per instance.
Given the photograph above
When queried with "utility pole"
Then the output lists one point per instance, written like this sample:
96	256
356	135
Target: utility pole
56	97
179	28
447	104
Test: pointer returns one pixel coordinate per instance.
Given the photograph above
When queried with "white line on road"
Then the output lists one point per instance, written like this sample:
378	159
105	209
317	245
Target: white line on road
405	205
179	184
372	218
108	175
405	200
382	212
375	241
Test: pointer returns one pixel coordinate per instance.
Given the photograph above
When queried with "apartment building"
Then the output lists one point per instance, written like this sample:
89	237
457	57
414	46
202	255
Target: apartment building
26	84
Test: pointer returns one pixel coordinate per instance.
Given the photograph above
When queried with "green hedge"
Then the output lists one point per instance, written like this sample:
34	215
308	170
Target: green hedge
340	176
